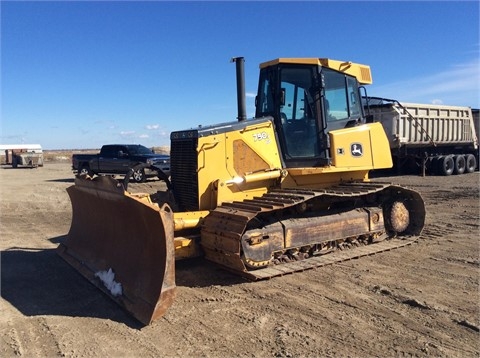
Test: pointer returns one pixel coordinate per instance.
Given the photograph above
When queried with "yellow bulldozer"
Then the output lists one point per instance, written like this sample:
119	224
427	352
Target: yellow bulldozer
283	192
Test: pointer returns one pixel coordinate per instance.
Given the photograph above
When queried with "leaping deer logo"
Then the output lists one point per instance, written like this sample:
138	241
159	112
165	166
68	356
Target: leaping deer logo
356	149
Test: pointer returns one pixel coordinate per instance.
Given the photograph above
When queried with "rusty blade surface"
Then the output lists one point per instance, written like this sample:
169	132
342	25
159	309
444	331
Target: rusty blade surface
123	245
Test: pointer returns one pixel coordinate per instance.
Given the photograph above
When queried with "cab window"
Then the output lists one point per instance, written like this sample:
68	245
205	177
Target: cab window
298	120
341	96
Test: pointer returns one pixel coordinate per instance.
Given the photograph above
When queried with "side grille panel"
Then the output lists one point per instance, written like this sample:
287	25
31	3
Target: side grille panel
183	161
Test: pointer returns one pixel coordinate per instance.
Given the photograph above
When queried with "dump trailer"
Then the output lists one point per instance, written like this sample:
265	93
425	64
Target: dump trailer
439	139
283	192
27	155
476	122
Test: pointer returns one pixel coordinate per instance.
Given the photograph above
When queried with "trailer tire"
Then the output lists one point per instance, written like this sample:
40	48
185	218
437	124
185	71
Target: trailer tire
459	164
470	163
446	165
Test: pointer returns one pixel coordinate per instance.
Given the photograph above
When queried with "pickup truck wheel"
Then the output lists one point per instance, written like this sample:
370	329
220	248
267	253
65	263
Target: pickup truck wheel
138	175
85	170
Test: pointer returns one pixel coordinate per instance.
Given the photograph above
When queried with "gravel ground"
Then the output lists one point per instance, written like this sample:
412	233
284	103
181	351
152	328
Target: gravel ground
420	300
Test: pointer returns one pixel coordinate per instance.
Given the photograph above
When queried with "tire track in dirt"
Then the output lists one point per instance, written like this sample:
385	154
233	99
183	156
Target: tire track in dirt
12	344
34	338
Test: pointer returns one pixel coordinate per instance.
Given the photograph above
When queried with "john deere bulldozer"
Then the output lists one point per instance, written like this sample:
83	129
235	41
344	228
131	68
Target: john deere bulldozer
283	192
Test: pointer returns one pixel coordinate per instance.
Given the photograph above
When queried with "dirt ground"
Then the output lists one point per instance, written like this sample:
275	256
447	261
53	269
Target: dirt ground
420	300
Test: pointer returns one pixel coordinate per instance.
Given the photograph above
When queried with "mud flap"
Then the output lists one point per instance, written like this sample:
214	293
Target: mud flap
123	245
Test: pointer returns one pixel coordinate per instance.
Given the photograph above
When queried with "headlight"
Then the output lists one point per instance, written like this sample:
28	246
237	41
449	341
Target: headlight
150	161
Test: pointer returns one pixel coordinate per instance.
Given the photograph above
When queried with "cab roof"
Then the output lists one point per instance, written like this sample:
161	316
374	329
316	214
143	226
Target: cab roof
361	72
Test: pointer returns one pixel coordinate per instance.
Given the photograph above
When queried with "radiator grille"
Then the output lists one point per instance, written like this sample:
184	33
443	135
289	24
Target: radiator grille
183	163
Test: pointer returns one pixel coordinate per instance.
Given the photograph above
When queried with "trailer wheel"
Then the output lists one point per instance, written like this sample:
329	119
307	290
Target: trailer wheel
459	164
470	163
446	165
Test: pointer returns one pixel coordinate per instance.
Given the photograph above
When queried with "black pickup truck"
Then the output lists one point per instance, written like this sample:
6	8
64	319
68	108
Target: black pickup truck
119	159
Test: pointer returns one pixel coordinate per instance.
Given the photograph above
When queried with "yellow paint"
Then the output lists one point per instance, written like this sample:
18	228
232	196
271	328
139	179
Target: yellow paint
186	248
221	178
189	219
370	139
361	72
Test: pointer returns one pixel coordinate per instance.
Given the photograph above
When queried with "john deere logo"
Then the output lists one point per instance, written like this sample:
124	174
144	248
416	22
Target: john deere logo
356	149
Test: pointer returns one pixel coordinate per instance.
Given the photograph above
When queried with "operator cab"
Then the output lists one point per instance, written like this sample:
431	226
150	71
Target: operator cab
307	99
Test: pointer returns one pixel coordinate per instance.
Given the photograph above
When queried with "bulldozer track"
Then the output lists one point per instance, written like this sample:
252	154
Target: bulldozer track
331	258
223	229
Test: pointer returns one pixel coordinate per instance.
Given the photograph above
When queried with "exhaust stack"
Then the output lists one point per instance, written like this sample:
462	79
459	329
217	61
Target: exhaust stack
242	107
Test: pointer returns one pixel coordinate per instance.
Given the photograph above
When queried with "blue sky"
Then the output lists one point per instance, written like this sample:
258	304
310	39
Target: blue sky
81	74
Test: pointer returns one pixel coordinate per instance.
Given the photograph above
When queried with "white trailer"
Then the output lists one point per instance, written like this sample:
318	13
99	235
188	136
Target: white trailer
30	155
439	139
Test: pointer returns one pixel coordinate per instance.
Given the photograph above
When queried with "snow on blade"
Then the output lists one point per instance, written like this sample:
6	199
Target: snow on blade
108	279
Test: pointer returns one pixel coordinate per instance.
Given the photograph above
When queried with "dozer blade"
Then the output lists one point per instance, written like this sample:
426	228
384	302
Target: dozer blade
123	245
